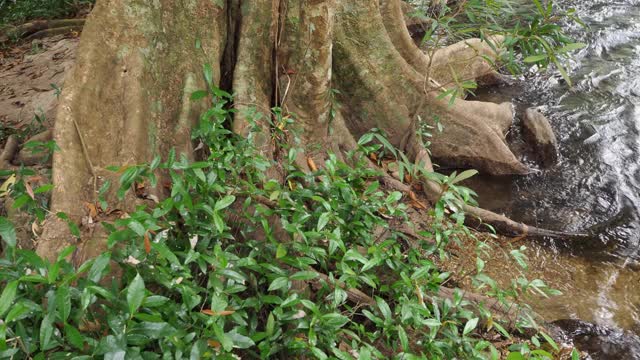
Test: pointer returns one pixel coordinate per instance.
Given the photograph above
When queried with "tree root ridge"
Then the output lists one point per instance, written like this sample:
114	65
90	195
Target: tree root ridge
39	29
478	218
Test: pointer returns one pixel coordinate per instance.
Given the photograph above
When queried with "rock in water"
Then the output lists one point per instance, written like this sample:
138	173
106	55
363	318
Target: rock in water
539	135
600	342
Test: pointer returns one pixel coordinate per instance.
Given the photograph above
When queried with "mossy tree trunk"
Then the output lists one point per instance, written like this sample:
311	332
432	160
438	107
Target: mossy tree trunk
128	97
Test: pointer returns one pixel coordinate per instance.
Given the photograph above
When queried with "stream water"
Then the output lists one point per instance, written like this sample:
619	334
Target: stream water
595	187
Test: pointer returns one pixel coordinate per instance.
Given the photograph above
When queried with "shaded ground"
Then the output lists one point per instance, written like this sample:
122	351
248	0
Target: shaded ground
30	75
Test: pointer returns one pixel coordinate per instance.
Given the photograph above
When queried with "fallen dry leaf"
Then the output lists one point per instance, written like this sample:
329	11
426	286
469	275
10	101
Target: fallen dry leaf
35	229
312	164
147	242
214	313
91	208
415	202
27	186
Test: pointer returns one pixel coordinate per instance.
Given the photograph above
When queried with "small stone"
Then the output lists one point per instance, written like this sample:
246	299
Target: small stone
539	135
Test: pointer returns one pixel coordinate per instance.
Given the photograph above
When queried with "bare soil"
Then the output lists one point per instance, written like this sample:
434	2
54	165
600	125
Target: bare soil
29	76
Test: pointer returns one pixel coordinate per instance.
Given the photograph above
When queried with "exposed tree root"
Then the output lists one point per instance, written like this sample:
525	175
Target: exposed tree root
465	60
53	32
27	157
354	295
417	23
41	28
510	314
478	218
9	152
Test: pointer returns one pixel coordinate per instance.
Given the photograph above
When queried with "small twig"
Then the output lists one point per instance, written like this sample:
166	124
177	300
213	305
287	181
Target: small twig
353	294
87	158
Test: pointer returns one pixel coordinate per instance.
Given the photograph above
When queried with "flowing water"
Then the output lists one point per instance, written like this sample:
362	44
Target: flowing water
595	187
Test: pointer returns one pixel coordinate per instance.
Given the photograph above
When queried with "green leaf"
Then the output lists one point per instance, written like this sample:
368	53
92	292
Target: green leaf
8	295
550	341
155	301
535	58
432	323
137	227
334	320
404	340
63	303
66	252
563	72
224	339
46	331
21	201
135	294
384	308
271	323
575	354
278	283
98	267
208	74
43	189
165	252
470	325
218	222
304	275
224	202
571	47
281	251
197	95
17	311
319	354
479	265
8	232
515	356
74	337
463	176
240	341
323	220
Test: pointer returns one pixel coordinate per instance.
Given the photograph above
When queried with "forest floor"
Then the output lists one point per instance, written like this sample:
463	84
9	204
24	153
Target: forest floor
32	74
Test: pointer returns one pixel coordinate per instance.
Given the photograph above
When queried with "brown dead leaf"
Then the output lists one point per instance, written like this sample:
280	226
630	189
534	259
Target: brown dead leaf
415	202
147	242
35	179
312	164
89	326
220	313
29	190
35	229
91	208
214	344
373	156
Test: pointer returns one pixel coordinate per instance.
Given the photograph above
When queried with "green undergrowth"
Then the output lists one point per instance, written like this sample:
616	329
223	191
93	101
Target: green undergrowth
19	11
210	271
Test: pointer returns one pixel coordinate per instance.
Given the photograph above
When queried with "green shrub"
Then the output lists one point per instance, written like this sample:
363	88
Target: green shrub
198	282
19	11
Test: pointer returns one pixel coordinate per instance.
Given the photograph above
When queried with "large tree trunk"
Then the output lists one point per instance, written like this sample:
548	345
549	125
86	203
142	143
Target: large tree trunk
139	61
